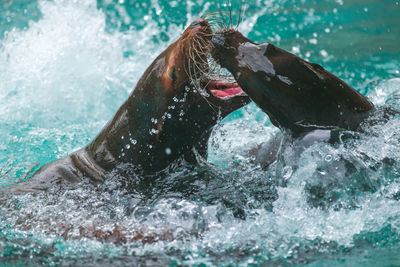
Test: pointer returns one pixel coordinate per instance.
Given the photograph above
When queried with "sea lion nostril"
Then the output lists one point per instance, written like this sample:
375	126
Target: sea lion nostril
218	40
194	24
199	22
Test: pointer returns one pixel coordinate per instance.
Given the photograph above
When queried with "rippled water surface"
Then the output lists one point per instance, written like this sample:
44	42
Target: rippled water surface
66	67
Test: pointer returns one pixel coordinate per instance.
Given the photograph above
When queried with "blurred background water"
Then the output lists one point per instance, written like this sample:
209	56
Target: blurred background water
66	67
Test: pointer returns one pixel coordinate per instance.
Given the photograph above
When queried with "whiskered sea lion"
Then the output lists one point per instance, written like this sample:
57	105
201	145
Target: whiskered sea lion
297	95
169	116
304	100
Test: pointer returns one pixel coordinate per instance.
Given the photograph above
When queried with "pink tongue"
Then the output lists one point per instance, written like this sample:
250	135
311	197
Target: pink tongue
227	92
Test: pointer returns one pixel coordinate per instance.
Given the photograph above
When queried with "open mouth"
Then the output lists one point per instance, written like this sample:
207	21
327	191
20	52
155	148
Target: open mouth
209	78
221	83
225	90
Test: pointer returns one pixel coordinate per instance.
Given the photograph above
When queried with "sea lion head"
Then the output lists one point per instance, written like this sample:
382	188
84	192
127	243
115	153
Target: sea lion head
187	67
173	108
296	94
184	67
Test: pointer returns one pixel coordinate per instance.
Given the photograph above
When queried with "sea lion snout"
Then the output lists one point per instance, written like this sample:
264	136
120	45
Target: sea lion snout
222	39
199	22
296	94
225	48
218	40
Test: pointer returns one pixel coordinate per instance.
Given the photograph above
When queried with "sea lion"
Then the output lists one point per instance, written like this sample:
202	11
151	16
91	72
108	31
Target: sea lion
308	103
168	117
296	94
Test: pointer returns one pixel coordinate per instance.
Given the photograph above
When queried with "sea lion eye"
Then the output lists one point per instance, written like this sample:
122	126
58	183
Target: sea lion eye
270	47
317	66
172	74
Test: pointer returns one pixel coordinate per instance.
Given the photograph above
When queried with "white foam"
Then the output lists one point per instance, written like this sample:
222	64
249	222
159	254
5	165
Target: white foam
65	66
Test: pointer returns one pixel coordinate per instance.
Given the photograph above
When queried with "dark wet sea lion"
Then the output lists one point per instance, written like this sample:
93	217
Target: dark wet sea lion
165	118
297	95
308	103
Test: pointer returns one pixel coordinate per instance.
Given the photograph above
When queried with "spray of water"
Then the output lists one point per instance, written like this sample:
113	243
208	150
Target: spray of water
65	75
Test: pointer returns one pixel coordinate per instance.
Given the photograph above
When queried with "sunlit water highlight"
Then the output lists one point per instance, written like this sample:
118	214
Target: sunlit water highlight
66	66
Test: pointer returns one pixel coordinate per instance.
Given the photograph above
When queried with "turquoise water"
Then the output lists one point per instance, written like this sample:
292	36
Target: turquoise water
66	66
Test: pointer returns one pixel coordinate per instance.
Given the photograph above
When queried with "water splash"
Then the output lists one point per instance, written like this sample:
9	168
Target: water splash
65	75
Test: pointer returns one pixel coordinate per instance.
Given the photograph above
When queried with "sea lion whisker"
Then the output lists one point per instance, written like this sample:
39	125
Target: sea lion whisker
200	54
195	67
202	60
230	14
216	21
199	50
204	37
212	106
191	68
201	43
198	69
222	24
240	14
210	14
201	90
207	34
195	81
222	16
200	64
203	64
188	68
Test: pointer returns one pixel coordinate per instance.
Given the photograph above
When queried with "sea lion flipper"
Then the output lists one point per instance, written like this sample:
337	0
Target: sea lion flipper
266	153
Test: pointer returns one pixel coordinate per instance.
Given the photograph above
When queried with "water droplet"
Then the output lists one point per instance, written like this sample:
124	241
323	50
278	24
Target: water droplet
323	53
313	41
287	172
328	158
154	131
168	151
